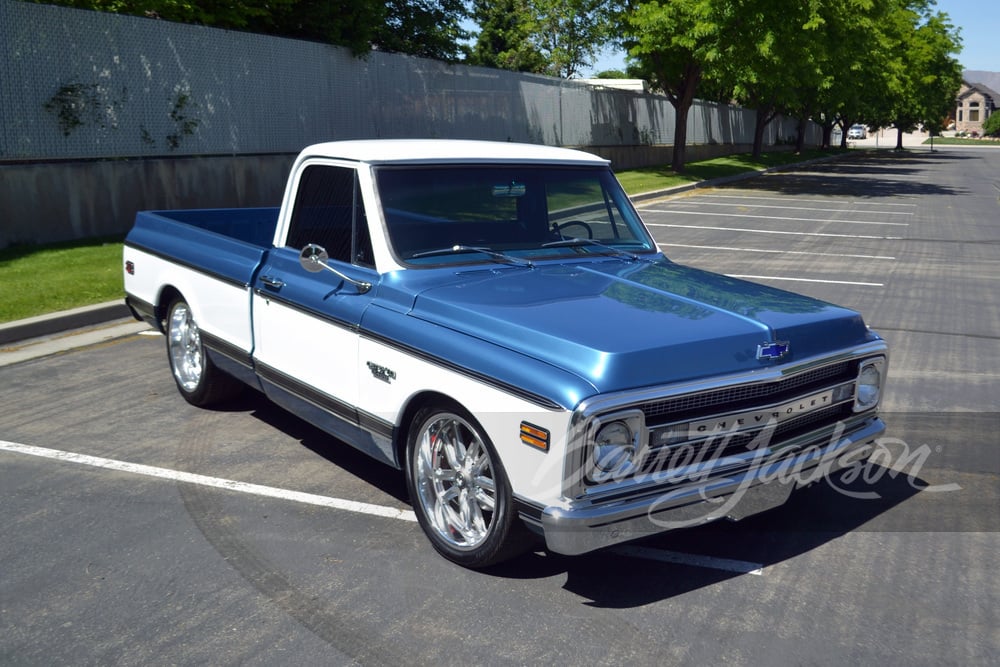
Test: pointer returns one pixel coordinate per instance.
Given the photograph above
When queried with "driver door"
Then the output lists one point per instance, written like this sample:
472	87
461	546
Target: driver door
305	324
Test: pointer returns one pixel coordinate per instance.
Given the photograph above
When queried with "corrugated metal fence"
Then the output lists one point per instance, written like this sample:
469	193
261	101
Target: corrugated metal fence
81	84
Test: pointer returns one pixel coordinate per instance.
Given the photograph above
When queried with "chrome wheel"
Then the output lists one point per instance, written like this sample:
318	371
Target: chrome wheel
199	381
187	357
455	481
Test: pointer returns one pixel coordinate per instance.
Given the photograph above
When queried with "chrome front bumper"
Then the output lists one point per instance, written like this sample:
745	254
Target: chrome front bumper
579	529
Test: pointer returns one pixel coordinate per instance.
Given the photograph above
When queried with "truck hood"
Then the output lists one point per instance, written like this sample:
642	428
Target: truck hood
622	324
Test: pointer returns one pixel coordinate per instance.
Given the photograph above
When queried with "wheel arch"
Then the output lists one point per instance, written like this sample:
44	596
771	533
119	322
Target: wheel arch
416	403
168	294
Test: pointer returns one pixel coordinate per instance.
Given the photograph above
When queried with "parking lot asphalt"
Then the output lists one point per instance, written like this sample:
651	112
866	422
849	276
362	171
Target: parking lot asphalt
140	530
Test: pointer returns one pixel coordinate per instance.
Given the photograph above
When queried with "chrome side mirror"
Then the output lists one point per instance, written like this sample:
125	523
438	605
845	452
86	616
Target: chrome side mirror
313	259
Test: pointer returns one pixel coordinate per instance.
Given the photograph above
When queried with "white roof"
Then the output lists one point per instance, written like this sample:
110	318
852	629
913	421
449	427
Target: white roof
424	151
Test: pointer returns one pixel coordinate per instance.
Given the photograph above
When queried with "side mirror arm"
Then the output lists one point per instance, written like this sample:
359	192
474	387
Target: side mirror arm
313	259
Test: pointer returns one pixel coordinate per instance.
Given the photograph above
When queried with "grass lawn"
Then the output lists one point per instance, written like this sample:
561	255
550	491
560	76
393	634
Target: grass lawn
636	181
35	280
962	141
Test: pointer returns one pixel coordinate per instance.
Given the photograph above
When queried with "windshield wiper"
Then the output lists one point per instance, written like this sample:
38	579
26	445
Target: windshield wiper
575	241
493	254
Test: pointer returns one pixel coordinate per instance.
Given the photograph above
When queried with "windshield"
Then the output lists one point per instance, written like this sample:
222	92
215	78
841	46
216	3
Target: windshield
462	214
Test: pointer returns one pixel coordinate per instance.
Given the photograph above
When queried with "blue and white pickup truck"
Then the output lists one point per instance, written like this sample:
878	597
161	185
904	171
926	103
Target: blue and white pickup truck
495	320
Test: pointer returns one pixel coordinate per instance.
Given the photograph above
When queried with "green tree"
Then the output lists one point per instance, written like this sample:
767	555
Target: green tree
554	37
238	14
426	28
670	44
611	74
769	52
348	23
570	33
991	128
429	28
928	76
503	41
846	82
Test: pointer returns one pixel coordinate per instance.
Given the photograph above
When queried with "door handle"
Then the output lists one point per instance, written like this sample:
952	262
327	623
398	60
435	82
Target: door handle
273	283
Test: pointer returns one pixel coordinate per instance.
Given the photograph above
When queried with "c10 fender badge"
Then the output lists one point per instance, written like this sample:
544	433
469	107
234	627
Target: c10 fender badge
381	372
775	350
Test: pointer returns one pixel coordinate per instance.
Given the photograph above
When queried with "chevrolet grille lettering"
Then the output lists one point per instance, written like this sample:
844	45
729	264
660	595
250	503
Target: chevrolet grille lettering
760	418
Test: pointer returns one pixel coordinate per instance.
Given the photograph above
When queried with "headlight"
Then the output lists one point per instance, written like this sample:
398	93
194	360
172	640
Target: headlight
869	389
614	452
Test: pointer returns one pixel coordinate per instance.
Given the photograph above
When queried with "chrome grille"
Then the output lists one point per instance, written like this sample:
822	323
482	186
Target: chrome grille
727	444
733	398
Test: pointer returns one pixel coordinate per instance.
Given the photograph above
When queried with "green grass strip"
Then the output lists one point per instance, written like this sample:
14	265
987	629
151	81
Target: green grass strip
35	280
963	141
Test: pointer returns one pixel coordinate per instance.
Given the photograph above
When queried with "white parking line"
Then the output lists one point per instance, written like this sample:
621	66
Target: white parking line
808	200
773	217
791	208
805	280
216	482
776	252
340	504
772	231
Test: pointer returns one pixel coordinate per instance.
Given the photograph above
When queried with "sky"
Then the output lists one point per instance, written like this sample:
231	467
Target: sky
979	21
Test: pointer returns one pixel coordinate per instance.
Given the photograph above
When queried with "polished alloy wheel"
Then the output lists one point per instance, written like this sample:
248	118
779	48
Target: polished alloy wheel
184	341
455	481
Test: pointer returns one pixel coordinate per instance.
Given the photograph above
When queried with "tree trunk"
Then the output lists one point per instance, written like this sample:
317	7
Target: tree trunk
827	134
800	139
682	101
760	124
899	137
680	137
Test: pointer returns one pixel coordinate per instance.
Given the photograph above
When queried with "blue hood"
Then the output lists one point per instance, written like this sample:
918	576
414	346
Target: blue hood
624	324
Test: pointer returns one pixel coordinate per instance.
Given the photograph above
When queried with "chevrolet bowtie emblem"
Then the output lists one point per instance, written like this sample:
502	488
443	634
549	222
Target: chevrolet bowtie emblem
775	350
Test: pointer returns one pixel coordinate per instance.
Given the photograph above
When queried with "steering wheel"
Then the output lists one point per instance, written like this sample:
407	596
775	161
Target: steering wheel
558	229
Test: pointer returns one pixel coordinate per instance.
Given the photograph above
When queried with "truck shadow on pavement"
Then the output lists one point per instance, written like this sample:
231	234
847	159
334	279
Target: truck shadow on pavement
617	578
933	473
874	501
377	474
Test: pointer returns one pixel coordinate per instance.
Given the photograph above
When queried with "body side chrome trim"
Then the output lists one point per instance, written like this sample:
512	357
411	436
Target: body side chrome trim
329	404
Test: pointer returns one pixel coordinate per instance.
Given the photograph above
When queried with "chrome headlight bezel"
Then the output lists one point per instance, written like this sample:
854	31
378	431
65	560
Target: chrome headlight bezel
615	446
869	383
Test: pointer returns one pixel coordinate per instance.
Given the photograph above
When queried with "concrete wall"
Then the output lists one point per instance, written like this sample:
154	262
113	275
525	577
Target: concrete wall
100	115
61	201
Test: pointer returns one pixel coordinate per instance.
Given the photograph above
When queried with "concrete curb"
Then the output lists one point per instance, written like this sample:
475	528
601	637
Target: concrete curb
53	323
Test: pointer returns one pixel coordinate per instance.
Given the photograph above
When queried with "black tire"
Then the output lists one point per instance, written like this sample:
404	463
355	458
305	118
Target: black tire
459	490
198	380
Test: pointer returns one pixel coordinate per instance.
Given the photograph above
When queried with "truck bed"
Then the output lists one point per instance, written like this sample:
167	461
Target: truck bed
251	225
228	243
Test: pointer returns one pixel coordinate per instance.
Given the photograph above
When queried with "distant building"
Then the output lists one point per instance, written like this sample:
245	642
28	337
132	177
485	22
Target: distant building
977	100
635	85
